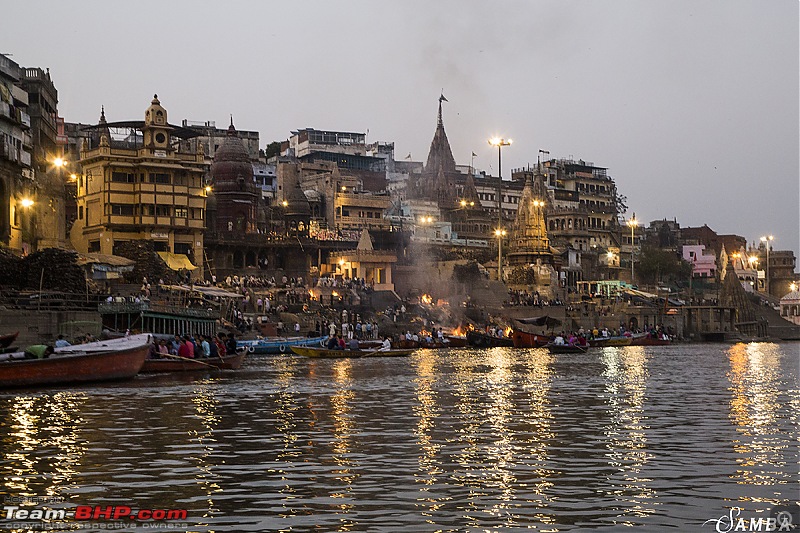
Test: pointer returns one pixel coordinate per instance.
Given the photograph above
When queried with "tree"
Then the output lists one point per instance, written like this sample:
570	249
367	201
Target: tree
273	149
656	265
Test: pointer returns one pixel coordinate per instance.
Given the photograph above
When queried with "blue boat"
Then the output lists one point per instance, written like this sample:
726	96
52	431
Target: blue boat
278	345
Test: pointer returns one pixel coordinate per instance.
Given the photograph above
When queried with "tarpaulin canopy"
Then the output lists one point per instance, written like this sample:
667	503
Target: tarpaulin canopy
540	321
176	261
207	291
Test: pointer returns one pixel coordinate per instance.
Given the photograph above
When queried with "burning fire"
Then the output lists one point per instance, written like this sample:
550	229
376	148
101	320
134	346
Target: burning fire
458	332
426	299
334	293
508	331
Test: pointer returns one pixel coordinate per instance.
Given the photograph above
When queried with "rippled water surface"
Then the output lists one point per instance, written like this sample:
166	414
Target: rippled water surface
654	437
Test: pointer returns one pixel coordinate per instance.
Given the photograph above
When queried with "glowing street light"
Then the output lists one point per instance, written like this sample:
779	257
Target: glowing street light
59	162
285	203
26	202
500	233
767	240
632	223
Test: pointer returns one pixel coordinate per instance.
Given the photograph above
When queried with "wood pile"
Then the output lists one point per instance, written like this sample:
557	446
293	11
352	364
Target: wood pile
55	269
148	263
12	272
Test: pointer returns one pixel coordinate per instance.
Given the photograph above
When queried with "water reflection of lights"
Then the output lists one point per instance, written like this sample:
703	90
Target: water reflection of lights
205	405
285	411
343	429
34	424
756	399
626	377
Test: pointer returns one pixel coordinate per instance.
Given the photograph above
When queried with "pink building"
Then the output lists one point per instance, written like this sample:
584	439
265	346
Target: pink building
704	263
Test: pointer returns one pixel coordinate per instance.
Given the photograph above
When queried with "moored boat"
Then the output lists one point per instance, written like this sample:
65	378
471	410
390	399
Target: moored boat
618	340
523	339
324	353
175	363
482	340
75	365
649	340
6	340
279	345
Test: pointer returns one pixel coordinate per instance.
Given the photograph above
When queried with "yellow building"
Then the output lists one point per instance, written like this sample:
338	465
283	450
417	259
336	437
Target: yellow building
141	188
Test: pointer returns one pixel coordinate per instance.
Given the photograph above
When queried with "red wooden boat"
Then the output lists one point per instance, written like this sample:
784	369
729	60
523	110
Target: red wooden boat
183	364
482	340
648	340
6	340
523	339
74	366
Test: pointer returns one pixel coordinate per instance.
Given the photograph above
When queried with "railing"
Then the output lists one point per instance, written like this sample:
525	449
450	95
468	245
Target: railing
134	307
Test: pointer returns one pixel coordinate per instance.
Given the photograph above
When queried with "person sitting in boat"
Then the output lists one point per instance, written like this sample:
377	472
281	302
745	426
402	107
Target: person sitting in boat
332	343
162	348
230	344
386	345
39	351
186	349
559	339
353	345
205	347
340	344
61	342
219	342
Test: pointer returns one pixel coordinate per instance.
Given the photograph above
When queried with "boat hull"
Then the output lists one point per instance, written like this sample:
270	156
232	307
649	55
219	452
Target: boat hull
227	362
523	339
324	353
566	348
611	341
78	367
481	340
276	346
6	340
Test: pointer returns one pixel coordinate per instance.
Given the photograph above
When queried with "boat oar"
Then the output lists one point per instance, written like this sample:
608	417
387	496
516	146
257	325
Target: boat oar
188	360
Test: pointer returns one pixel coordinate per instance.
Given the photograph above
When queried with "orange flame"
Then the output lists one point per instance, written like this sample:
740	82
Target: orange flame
426	299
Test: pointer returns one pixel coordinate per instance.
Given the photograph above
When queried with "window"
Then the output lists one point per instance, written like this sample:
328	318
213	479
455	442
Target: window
80	212
158	177
197	213
94	246
123	177
148	210
122	209
163	210
181	212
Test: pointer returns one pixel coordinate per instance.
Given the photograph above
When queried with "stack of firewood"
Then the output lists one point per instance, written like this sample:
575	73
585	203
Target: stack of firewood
55	270
12	272
148	263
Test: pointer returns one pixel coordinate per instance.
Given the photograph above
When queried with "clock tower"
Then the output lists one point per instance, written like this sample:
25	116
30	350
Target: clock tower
156	129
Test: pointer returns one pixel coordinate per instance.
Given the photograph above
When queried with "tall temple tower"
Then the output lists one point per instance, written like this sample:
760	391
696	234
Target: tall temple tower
529	241
437	181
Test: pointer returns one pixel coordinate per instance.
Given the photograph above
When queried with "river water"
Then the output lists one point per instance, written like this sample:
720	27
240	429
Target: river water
461	440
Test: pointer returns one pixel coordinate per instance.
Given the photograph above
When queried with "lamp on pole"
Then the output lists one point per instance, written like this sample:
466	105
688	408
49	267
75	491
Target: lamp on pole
632	223
500	142
500	233
767	240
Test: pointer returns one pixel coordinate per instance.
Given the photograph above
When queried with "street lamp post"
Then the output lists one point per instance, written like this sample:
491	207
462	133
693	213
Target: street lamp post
632	223
500	233
500	142
767	240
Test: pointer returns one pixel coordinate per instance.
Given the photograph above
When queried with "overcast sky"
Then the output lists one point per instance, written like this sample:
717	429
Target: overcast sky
691	105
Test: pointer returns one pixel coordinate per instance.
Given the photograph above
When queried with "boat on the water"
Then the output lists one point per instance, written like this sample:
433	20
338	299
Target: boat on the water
76	364
523	339
279	345
617	340
648	340
324	353
482	340
6	340
566	348
174	363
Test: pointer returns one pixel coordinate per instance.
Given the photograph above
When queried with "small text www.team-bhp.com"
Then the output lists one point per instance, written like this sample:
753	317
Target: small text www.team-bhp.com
97	512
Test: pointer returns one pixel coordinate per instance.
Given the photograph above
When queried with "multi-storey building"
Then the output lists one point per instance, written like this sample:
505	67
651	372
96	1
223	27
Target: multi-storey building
142	187
16	173
48	151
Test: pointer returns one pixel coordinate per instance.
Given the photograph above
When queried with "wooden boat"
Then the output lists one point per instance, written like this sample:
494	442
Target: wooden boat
566	348
456	341
523	339
405	344
324	353
279	345
618	340
648	340
482	340
75	365
183	364
6	340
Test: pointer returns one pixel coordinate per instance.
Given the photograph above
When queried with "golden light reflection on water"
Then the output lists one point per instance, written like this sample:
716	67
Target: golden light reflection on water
495	428
286	411
626	375
205	407
343	429
33	423
755	376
